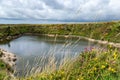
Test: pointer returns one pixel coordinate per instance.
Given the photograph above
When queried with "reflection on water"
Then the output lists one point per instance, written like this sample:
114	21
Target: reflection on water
27	48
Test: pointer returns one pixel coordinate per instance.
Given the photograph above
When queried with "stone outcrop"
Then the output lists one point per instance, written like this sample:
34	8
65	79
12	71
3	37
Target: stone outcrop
9	59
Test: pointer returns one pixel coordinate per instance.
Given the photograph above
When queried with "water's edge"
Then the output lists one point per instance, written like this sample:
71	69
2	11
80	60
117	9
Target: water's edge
9	38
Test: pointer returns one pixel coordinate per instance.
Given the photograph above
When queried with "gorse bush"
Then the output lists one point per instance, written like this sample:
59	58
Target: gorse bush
99	65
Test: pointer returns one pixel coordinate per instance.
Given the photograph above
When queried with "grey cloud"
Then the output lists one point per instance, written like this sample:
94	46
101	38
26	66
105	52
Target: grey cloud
60	10
53	4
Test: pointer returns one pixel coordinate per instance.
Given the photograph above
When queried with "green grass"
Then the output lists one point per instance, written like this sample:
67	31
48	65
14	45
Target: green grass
109	31
2	70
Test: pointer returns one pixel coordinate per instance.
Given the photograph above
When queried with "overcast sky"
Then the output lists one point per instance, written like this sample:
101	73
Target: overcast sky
52	11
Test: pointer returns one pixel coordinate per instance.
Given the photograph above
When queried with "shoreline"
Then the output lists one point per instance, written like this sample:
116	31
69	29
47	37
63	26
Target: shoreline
117	45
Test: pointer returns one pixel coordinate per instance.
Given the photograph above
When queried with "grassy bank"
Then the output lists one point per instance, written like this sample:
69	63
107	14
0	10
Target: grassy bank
109	31
92	64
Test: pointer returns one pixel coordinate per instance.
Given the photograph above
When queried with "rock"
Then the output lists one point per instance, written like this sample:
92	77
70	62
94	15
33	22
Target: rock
8	38
9	59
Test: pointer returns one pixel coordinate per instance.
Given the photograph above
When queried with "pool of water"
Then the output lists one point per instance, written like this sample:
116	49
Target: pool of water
30	50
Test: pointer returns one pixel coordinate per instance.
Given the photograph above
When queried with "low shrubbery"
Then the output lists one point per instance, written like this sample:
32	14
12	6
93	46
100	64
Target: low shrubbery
109	31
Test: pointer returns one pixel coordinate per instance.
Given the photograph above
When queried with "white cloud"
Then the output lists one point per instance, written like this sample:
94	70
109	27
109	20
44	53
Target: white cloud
72	10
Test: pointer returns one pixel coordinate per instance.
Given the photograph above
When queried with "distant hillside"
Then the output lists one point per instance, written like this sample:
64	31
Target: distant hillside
109	31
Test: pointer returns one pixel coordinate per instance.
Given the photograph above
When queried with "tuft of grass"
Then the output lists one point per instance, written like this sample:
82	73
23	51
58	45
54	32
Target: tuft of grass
92	64
2	70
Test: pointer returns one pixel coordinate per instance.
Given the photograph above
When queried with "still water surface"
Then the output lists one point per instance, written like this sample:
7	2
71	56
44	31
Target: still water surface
28	48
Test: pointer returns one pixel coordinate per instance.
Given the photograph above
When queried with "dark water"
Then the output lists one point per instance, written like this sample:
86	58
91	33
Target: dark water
29	49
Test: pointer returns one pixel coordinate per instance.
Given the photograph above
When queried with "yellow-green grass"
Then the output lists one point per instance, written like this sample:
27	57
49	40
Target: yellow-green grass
2	70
